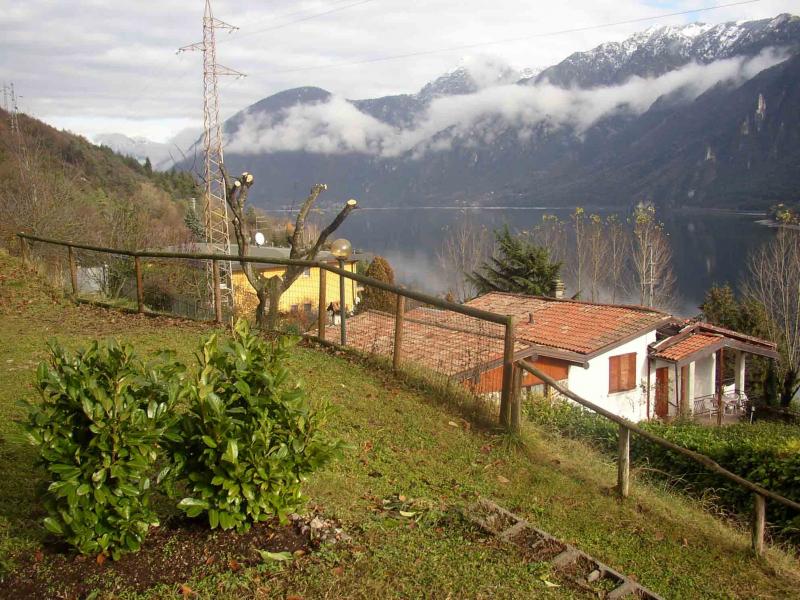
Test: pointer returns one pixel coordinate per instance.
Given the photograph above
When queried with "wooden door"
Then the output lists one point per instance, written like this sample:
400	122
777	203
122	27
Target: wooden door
662	392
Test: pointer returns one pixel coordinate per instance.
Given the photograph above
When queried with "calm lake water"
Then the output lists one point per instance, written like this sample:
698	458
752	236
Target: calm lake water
707	247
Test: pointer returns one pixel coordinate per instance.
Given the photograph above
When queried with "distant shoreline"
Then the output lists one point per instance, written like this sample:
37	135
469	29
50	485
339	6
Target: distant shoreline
773	224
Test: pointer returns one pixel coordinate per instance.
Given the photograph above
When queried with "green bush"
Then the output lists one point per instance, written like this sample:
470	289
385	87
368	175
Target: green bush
765	453
250	435
98	430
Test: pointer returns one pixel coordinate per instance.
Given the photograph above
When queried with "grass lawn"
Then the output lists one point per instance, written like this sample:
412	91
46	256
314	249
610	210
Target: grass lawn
401	442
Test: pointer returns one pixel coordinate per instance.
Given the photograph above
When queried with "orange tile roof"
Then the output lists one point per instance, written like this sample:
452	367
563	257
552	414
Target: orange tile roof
443	341
581	327
687	346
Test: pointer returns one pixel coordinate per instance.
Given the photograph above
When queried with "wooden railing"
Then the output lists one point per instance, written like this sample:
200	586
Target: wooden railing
510	404
760	494
402	294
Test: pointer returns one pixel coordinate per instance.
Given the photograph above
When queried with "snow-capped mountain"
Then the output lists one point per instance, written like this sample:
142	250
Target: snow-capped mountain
657	50
695	115
139	148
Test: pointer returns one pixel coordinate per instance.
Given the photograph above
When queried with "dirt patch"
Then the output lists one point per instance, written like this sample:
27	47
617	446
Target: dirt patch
536	548
580	568
492	518
171	555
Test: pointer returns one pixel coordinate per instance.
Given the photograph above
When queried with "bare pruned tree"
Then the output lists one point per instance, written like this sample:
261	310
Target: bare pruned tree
619	249
551	234
579	256
270	289
466	246
773	280
652	258
597	256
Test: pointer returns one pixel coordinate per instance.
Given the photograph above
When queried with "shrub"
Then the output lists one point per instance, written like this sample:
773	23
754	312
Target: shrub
250	435
765	453
98	430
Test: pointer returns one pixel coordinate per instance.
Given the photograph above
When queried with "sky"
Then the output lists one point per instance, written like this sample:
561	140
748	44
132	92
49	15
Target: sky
94	66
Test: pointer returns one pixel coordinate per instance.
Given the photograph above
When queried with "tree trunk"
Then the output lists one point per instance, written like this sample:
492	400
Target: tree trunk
274	290
262	295
788	388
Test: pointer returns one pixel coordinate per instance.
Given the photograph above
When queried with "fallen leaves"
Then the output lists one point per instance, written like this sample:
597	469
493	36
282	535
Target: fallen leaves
502	479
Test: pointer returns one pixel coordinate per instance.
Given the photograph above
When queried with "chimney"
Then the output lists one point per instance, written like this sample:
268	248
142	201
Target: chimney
560	287
530	318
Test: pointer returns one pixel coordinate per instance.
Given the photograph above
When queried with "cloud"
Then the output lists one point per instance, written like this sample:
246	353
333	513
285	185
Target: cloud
92	59
336	126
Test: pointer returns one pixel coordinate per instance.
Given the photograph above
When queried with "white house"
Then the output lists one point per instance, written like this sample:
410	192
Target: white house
635	361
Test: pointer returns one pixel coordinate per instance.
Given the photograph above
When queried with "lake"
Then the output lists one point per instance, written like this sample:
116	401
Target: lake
708	247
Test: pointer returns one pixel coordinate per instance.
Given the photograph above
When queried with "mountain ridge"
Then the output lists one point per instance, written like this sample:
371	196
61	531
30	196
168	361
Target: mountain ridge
392	150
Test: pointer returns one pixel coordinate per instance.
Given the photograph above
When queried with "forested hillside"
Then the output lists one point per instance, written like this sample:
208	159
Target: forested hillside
59	185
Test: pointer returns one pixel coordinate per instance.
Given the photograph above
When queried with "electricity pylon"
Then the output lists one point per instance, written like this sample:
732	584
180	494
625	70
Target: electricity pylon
215	208
11	105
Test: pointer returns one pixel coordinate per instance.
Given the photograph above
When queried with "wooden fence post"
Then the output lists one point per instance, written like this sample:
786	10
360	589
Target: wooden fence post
342	306
73	271
508	374
398	331
516	400
322	308
624	462
137	265
720	373
759	523
23	250
217	292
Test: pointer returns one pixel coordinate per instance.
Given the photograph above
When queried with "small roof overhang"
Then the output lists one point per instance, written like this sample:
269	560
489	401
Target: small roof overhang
699	340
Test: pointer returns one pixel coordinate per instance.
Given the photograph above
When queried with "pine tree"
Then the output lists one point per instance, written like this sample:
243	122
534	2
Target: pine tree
375	298
518	266
195	225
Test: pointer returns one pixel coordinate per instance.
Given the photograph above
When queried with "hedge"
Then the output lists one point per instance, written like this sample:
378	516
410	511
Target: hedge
765	453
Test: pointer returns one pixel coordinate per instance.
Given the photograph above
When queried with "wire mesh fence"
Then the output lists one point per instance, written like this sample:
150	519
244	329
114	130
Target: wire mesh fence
447	345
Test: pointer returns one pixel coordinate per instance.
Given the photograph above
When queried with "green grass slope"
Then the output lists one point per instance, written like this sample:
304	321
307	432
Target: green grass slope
402	442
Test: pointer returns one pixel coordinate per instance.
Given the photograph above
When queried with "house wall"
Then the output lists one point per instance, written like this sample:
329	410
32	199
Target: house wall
305	290
705	376
592	383
492	380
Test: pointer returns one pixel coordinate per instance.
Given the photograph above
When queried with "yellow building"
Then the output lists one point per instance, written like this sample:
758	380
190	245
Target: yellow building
303	296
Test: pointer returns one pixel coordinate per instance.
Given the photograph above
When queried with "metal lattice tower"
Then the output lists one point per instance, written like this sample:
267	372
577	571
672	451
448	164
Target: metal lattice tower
11	105
215	208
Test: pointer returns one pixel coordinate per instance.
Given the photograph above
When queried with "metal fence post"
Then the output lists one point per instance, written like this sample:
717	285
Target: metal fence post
73	270
759	523
398	331
508	374
322	308
137	265
217	291
624	462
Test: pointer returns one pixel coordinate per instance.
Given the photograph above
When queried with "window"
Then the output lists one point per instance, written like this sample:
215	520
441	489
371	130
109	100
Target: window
306	272
294	309
307	308
621	372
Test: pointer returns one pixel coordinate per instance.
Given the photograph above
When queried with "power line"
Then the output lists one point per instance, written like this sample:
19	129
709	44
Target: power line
515	39
294	13
300	20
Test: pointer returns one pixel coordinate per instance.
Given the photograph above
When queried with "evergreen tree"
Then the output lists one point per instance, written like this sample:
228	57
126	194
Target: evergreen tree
518	266
148	166
195	225
721	307
374	298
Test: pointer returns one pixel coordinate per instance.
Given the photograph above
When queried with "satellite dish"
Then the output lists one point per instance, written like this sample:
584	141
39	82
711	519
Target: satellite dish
260	239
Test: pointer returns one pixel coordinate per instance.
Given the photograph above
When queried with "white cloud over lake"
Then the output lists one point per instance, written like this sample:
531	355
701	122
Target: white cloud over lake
336	126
